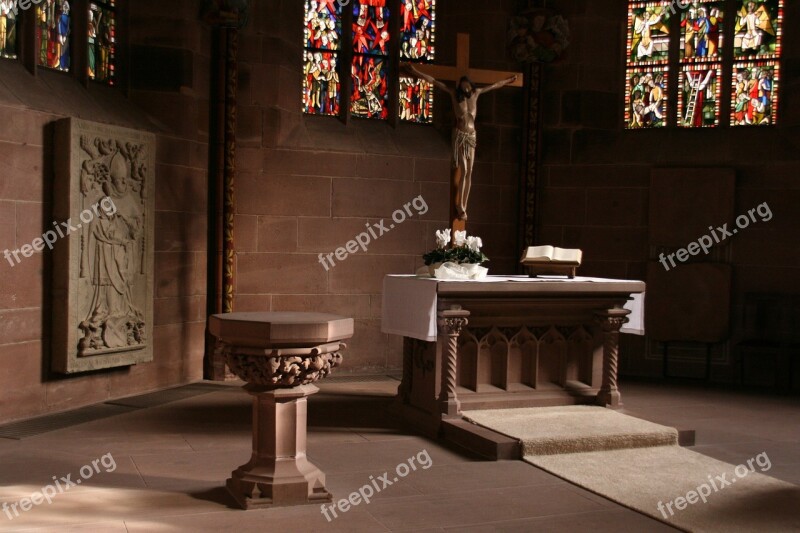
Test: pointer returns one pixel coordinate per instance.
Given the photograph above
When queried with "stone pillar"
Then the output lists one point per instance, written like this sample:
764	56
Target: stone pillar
450	323
611	321
278	356
278	472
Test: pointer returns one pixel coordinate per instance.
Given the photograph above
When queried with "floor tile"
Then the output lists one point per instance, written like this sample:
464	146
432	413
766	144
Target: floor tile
172	461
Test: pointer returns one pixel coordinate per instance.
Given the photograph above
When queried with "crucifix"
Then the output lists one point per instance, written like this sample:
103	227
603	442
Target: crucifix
464	98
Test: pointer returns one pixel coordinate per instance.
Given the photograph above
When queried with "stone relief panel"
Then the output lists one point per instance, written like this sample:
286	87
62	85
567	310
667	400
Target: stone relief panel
103	266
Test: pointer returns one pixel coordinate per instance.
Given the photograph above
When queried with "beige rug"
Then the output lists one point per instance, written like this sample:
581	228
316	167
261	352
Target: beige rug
574	428
646	470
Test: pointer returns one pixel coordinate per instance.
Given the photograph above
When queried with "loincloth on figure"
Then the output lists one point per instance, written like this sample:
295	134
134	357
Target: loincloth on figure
464	144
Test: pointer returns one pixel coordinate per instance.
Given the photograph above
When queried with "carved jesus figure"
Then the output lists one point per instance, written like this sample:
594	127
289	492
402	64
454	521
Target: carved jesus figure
465	139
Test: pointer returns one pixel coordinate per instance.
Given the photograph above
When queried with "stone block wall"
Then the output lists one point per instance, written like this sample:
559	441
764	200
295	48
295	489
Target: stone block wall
308	185
175	109
596	175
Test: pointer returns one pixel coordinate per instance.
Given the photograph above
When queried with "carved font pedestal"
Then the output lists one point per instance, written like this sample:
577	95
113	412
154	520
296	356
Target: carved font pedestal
280	356
278	473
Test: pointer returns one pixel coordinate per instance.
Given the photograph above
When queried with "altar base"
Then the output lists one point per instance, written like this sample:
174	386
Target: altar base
507	344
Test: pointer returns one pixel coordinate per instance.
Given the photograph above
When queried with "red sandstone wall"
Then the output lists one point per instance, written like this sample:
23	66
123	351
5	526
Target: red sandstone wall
596	175
308	185
27	106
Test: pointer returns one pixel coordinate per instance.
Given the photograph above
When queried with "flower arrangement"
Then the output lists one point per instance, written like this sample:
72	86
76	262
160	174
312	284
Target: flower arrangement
538	35
463	249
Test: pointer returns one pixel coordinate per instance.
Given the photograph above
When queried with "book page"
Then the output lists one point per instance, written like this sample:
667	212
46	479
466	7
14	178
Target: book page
563	255
538	253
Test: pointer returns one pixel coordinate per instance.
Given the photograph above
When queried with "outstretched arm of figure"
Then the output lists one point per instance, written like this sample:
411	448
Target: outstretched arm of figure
497	85
704	84
430	79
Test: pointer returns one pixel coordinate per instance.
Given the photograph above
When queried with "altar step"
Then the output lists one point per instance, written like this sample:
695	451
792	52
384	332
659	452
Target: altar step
480	441
494	446
473	401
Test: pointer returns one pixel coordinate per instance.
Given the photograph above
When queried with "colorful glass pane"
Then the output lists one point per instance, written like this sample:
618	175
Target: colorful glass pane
53	34
8	29
370	87
370	27
418	31
759	30
646	97
702	31
699	96
417	45
416	100
648	32
754	100
321	84
101	42
323	24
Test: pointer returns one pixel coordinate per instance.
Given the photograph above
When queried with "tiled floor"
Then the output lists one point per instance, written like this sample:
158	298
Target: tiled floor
172	461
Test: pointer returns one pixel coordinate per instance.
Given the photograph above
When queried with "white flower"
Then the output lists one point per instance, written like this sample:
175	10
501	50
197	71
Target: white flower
475	243
461	238
442	238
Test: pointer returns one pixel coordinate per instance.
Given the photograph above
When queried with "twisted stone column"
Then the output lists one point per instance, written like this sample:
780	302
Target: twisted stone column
611	321
451	323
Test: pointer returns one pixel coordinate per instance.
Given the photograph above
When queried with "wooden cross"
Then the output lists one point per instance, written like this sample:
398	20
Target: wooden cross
478	76
462	68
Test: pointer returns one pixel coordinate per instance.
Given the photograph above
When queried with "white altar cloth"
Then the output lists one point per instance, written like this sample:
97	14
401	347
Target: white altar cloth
401	293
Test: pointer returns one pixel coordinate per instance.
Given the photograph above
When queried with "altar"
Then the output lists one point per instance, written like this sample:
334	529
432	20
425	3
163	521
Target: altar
507	342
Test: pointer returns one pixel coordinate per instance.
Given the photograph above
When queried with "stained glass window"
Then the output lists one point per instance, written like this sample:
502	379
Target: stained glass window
102	41
646	97
323	25
756	74
647	89
321	87
8	30
703	31
758	30
700	81
700	88
417	45
754	100
648	32
352	46
370	68
322	41
53	34
370	87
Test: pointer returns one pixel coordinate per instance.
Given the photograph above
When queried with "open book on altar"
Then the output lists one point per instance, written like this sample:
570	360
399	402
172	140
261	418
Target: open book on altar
552	255
549	260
